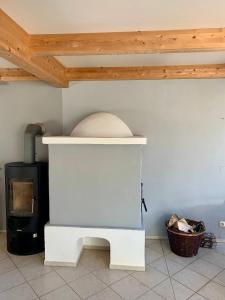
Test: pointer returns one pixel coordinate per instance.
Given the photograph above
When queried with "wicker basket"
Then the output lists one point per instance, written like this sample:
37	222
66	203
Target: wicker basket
184	244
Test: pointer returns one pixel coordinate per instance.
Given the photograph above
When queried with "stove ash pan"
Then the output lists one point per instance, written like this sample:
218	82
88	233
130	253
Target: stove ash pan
95	175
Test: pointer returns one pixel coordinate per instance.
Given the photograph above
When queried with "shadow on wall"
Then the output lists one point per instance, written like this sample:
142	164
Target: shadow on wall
210	214
2	203
95	242
41	149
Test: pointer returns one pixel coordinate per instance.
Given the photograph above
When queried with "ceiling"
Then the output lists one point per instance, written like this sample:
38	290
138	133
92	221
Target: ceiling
143	59
73	16
6	64
70	16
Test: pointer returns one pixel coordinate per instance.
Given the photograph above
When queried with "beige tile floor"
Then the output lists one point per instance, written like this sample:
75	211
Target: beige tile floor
167	276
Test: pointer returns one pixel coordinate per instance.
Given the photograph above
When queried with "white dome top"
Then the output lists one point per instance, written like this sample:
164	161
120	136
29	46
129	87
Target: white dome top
101	124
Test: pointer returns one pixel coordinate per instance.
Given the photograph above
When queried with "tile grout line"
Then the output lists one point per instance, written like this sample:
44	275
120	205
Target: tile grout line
196	294
15	286
25	278
189	287
151	289
8	257
62	285
25	281
211	280
90	272
184	267
102	291
168	275
160	281
188	267
108	285
165	256
142	295
168	271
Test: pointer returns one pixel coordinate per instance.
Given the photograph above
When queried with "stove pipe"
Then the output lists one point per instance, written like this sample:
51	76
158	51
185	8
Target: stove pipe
32	130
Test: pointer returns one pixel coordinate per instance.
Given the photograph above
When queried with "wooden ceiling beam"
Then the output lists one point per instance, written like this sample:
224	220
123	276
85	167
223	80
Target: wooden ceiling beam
126	73
9	74
139	42
15	47
141	73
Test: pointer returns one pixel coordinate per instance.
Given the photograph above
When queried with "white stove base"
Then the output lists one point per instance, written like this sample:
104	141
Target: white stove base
64	245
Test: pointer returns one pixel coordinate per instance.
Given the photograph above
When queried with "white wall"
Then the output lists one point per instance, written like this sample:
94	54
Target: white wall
20	104
184	161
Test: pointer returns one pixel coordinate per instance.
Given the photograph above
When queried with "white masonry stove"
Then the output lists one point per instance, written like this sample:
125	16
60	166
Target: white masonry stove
95	193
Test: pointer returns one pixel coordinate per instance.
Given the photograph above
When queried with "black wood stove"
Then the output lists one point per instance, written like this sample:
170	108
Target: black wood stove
27	202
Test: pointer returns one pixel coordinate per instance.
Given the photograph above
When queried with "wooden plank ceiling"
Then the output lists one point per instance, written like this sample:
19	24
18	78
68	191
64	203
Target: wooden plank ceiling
34	54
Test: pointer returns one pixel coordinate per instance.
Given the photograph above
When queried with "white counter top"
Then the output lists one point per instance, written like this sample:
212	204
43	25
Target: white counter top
135	140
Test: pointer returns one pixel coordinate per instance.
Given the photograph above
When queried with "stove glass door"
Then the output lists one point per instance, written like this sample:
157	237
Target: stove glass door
21	197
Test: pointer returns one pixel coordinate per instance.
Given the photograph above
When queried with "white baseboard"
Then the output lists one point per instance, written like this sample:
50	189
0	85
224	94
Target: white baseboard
94	247
156	237
159	237
220	240
147	237
128	268
59	264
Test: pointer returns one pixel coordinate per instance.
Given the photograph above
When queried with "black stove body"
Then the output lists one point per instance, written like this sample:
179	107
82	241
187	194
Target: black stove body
27	204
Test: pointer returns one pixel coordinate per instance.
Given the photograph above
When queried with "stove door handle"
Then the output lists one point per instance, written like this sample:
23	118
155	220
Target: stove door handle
32	208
